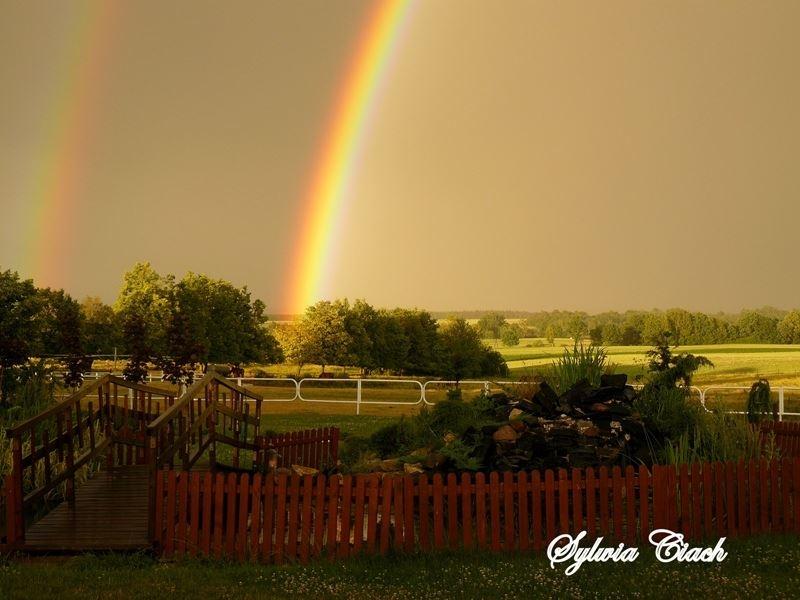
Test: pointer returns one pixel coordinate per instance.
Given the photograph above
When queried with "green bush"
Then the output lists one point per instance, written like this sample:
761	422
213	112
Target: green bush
668	411
580	363
393	439
717	437
759	404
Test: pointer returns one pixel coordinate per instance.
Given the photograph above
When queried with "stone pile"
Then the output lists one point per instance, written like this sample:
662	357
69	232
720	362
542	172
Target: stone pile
585	426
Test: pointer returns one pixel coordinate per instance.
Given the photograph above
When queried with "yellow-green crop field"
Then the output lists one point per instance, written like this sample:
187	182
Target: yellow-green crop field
734	364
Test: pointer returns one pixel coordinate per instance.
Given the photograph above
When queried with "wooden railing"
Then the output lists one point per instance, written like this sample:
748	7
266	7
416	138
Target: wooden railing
212	411
280	518
106	418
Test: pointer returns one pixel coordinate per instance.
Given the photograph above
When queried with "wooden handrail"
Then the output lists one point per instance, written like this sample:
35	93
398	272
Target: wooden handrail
69	402
192	391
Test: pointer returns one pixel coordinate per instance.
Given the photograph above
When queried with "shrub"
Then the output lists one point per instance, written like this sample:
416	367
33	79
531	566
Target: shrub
580	363
395	438
759	404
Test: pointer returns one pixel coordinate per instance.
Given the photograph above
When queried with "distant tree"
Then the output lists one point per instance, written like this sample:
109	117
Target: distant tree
420	331
19	308
509	335
322	336
490	325
596	335
390	345
653	325
631	336
576	327
611	334
60	330
361	324
789	328
143	308
463	355
101	327
757	328
550	334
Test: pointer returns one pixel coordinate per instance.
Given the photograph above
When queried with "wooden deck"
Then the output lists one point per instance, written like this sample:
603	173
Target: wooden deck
109	513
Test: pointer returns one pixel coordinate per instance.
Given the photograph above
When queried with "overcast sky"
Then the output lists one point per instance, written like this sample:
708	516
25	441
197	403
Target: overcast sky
524	155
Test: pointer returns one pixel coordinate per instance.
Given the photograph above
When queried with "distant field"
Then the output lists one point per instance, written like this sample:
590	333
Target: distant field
734	364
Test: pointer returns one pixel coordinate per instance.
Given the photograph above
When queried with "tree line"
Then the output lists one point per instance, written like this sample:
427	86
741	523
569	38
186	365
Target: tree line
180	325
632	328
402	341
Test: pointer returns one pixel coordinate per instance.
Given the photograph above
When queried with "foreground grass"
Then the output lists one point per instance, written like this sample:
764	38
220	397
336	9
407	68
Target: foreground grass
758	567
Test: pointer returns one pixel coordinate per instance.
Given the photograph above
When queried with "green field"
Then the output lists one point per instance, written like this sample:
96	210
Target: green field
755	568
734	364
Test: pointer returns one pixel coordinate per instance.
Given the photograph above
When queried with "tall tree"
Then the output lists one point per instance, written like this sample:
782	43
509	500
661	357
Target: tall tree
19	307
491	325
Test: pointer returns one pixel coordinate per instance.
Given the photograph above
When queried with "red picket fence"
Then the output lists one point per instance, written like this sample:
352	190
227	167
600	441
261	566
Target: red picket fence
289	518
787	436
315	448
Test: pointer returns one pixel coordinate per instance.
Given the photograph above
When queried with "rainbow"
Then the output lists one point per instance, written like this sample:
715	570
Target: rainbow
58	179
339	153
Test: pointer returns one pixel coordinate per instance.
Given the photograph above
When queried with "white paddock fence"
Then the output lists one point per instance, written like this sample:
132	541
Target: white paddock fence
413	392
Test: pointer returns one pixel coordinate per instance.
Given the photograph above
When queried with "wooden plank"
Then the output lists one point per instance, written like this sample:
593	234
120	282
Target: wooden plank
205	540
424	512
244	516
319	515
408	518
305	521
293	518
452	510
577	504
438	512
719	498
230	516
591	504
372	512
399	513
267	546
344	528
743	527
480	510
549	504
522	504
358	515
630	504
536	503
280	518
603	495
644	503
730	498
494	508
708	499
616	483
333	515
183	492
466	509
256	491
563	501
169	542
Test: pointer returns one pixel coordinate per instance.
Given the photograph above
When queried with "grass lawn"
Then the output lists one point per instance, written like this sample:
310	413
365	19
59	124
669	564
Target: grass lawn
755	568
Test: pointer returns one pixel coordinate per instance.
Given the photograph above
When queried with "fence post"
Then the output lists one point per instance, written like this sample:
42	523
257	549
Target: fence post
152	473
358	396
780	404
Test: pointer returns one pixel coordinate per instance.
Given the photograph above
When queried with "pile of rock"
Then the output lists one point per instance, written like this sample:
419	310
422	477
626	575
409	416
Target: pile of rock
585	426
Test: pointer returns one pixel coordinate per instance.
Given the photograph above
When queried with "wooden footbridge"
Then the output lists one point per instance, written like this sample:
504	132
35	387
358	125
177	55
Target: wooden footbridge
84	471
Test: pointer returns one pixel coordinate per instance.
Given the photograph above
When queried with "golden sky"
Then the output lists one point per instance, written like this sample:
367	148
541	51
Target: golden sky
524	155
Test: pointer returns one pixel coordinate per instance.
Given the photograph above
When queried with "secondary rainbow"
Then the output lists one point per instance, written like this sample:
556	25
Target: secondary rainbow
338	156
67	128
